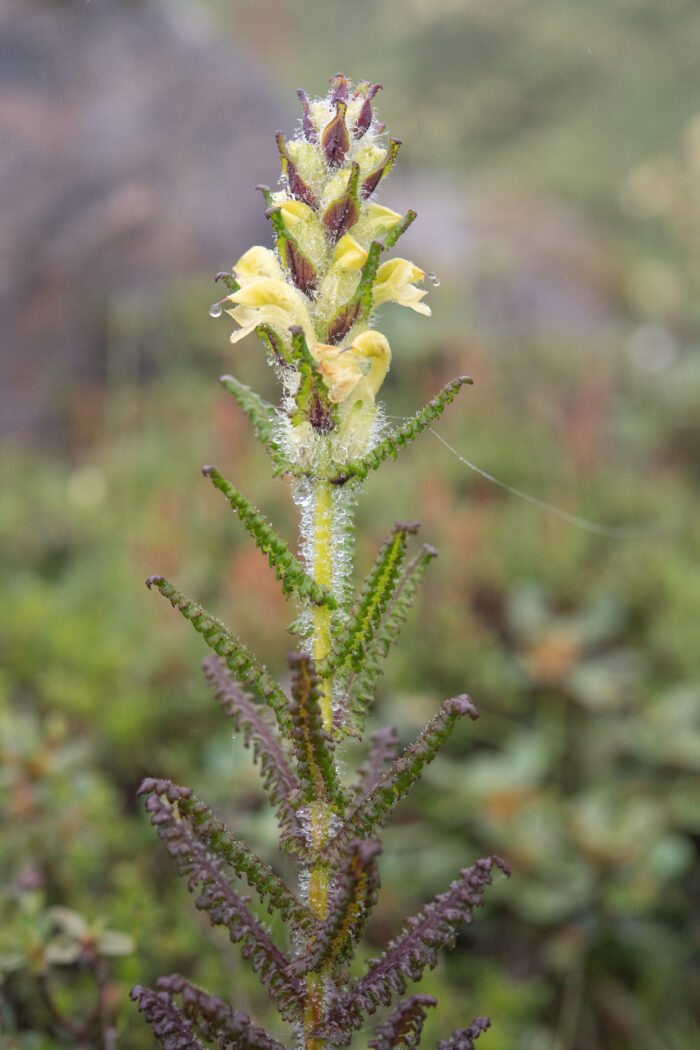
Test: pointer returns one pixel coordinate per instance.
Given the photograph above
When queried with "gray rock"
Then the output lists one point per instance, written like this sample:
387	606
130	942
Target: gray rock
132	142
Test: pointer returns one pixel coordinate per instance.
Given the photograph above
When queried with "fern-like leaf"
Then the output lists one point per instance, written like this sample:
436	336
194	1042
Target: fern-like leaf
313	745
172	1030
291	574
262	415
404	434
402	1031
214	1019
358	694
236	655
212	836
383	745
197	863
417	948
250	720
464	1038
374	810
352	900
375	595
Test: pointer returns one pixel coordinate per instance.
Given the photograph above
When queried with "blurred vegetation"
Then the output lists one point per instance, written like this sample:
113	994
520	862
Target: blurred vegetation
579	649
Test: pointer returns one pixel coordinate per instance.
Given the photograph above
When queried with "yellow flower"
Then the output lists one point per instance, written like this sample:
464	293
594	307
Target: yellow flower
374	221
349	254
357	371
340	369
394	283
307	229
373	348
268	300
257	262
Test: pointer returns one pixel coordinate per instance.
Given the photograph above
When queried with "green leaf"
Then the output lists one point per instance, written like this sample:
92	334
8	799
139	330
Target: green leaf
237	657
359	690
393	235
353	897
376	593
406	433
214	836
261	413
197	863
251	720
375	808
313	745
311	396
416	949
290	573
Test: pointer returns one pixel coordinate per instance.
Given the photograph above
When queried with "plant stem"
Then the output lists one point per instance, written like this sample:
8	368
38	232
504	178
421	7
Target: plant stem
320	817
323	574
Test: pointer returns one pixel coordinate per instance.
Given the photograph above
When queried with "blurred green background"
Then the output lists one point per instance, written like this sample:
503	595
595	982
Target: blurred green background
552	152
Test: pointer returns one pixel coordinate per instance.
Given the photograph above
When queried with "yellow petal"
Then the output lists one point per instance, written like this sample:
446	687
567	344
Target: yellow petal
340	370
374	347
394	284
269	301
294	212
308	231
349	254
267	291
257	262
374	221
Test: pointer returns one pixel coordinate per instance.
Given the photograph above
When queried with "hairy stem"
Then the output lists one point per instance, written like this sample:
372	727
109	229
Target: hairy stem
323	573
320	818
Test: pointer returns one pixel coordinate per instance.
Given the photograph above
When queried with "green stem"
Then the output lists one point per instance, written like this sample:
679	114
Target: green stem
321	813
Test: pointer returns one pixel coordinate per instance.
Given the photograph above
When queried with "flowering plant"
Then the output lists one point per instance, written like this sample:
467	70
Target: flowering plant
311	301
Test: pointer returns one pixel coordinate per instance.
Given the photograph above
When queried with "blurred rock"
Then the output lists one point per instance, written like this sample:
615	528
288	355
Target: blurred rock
132	142
530	267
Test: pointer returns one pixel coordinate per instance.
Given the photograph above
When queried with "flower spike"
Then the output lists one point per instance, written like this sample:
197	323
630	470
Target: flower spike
311	298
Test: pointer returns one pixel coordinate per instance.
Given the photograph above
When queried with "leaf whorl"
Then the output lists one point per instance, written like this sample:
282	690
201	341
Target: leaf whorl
251	720
415	949
402	1031
171	1029
375	808
464	1038
352	899
313	745
214	1019
196	862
